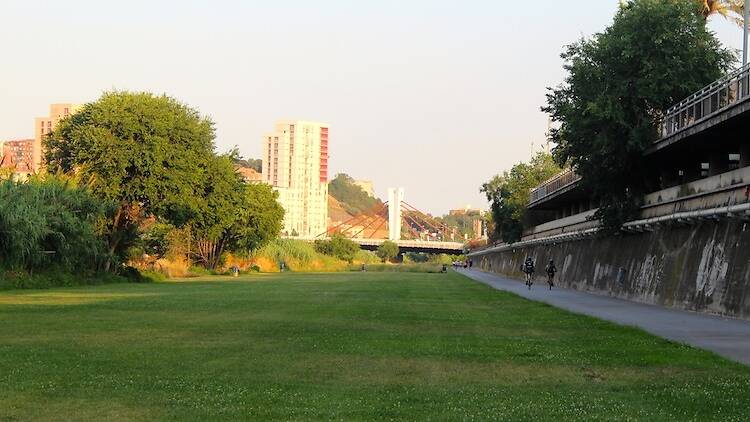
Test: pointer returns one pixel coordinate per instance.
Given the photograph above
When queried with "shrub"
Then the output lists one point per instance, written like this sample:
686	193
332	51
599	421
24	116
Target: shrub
388	251
338	246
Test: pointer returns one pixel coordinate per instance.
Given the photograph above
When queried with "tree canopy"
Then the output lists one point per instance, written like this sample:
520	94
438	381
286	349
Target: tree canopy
387	251
251	163
510	192
233	215
146	153
619	83
154	158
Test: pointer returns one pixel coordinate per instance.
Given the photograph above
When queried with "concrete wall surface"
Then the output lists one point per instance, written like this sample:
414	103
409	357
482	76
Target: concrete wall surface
703	267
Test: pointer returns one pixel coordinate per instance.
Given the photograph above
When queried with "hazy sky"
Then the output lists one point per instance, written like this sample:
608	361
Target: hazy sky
435	96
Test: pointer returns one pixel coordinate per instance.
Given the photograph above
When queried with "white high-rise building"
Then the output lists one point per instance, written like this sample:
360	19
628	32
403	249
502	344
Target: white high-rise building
295	163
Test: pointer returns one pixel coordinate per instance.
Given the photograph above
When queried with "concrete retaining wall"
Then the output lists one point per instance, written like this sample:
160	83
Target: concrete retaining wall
703	267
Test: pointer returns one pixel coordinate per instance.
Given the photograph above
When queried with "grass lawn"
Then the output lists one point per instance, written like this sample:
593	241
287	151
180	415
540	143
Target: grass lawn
345	346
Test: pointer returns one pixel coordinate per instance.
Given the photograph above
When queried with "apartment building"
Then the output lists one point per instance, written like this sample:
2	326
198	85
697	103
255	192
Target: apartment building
295	163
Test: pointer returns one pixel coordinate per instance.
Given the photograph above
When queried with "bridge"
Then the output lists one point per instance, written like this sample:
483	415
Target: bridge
412	230
432	247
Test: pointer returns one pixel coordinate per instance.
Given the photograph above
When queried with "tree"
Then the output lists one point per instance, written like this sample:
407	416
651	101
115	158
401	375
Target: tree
619	83
729	9
387	251
338	246
232	215
145	153
510	192
251	163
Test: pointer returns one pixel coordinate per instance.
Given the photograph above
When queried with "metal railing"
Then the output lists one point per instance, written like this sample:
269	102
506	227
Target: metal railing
714	98
710	100
560	181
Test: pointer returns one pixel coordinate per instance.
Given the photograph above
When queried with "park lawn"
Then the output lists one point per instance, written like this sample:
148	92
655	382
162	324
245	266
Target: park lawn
348	346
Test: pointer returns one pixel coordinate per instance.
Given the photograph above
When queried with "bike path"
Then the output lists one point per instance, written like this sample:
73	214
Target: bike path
727	337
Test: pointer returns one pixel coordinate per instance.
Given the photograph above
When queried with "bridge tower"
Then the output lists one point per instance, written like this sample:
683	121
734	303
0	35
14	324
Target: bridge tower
395	197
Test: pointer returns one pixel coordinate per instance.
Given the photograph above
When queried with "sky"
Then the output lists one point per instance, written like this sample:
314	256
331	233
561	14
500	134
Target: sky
434	96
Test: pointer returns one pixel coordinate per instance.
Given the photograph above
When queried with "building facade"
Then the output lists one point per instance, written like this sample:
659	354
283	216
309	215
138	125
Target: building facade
45	125
17	155
249	175
295	163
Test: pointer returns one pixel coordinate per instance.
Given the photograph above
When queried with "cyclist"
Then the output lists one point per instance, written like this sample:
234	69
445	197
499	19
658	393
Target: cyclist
528	270
551	271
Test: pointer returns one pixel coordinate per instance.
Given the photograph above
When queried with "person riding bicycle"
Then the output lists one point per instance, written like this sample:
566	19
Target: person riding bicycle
528	270
551	271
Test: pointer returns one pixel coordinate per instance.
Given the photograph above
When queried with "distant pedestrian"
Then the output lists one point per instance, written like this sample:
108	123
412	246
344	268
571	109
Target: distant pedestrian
528	270
471	263
363	268
551	271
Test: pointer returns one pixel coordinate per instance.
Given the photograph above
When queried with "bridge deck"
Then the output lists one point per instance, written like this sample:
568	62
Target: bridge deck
404	245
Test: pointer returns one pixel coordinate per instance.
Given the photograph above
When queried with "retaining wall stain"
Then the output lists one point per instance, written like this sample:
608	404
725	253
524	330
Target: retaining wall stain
703	267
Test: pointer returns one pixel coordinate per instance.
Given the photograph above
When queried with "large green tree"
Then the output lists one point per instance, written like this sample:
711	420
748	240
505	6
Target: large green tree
619	83
233	216
145	153
510	192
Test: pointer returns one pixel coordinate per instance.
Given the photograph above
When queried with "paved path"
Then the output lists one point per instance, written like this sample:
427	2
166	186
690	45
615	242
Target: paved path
724	336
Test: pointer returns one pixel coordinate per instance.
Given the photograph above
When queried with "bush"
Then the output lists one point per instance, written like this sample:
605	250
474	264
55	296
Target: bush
366	257
388	251
338	246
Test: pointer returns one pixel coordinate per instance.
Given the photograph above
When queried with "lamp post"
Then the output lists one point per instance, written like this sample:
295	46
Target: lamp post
745	15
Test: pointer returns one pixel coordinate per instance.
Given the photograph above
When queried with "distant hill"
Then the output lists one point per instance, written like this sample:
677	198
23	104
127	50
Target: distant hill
350	197
336	211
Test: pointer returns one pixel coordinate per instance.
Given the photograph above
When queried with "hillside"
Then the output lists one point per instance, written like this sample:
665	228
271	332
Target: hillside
351	197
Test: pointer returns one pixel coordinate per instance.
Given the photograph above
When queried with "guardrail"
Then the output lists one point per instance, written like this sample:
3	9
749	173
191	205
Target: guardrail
710	100
714	98
560	181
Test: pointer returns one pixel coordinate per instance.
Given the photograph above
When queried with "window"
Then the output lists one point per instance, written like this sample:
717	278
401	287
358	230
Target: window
704	168
734	161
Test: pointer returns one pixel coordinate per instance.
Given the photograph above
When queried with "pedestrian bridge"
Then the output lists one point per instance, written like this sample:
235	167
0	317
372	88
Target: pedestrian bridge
418	246
423	246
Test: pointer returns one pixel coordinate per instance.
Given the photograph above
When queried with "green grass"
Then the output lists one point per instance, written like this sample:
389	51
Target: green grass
346	346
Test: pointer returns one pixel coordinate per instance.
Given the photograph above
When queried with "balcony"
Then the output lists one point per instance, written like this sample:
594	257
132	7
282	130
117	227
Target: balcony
706	103
556	184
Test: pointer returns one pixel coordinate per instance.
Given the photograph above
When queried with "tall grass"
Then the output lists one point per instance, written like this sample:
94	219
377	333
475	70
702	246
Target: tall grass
284	250
50	223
